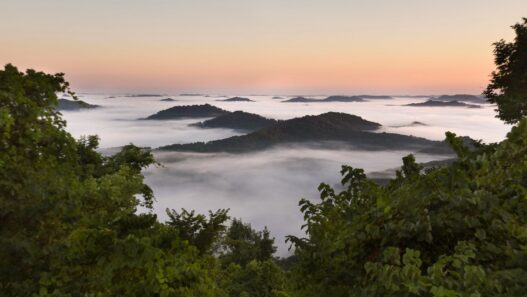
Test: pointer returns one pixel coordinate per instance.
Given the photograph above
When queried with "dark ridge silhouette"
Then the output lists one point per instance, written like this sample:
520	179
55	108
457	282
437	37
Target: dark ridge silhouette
460	97
301	99
65	104
412	124
434	103
191	94
323	129
143	95
339	98
168	100
277	97
238	120
374	97
188	111
417	123
236	99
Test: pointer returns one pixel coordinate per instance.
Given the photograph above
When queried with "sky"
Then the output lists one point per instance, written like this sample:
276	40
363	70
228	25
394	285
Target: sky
260	47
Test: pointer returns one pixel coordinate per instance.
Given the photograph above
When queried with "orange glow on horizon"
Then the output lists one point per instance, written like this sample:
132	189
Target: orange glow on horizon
292	47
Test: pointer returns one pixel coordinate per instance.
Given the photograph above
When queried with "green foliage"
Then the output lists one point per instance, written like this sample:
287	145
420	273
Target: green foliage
459	230
255	279
242	244
197	230
68	221
508	86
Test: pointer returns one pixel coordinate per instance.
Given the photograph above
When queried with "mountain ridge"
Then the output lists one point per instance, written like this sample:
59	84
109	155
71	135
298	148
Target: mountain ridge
71	105
188	111
237	120
327	127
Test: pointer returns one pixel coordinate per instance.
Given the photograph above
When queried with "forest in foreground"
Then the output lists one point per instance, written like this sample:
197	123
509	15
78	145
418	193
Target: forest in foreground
69	224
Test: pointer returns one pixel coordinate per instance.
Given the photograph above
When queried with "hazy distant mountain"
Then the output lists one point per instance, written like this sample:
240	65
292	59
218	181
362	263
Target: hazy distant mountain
435	103
237	99
191	94
188	111
238	120
338	98
460	97
65	104
417	123
321	129
374	97
143	95
168	100
301	99
277	97
412	124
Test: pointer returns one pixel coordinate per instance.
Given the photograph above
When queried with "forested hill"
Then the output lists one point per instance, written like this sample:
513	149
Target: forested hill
435	103
66	104
238	120
188	111
331	126
461	97
236	99
338	98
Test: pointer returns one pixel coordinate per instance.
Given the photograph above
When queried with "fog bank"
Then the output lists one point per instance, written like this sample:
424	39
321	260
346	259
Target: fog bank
261	188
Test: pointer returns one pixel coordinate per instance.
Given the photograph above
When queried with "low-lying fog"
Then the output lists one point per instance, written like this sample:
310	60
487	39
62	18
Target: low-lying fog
263	188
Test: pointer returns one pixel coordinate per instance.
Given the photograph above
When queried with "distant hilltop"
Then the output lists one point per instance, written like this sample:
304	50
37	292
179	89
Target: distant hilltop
236	99
192	95
322	129
436	103
301	99
188	111
460	97
70	105
338	98
374	97
144	95
238	120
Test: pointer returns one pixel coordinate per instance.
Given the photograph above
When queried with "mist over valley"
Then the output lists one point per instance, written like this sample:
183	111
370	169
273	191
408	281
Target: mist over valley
263	186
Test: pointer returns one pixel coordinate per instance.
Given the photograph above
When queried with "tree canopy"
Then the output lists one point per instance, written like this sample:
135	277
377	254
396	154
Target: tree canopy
458	230
508	86
69	224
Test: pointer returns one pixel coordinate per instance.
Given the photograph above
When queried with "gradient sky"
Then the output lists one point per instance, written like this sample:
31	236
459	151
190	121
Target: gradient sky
264	46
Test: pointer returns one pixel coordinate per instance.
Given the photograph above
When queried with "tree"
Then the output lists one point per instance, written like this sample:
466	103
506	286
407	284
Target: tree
242	244
199	231
458	230
249	268
508	86
68	216
256	279
455	230
68	221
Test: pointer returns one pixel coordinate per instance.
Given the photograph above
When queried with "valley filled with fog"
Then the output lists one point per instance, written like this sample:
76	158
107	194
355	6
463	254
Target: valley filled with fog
264	187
